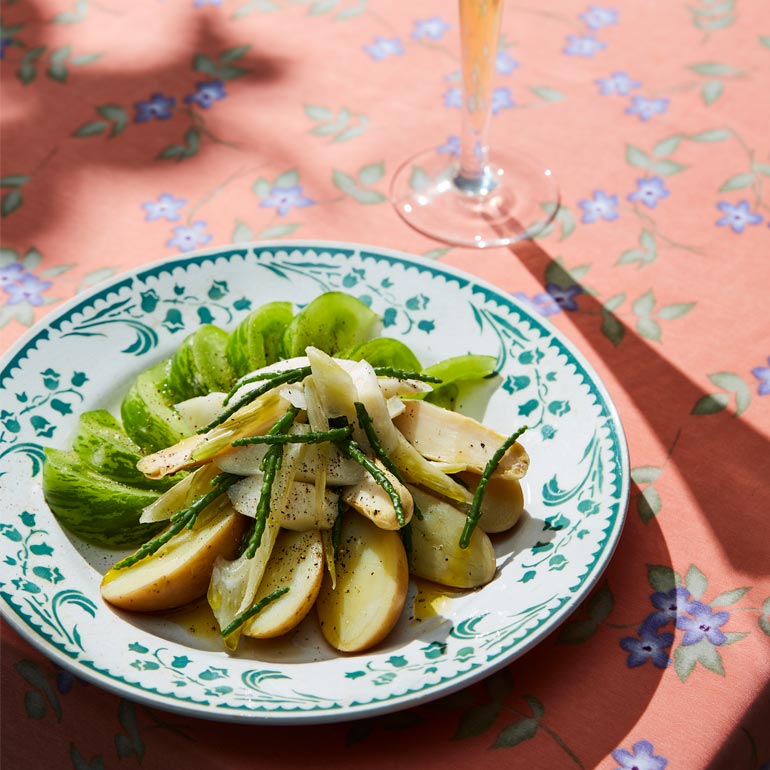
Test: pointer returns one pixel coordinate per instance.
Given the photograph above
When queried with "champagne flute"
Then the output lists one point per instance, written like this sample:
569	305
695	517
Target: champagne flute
480	199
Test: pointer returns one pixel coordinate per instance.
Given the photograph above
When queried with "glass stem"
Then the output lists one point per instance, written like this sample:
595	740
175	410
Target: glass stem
479	34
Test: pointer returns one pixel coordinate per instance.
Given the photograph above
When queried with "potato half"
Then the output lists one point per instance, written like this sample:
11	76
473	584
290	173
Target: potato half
179	571
297	561
503	501
372	581
436	554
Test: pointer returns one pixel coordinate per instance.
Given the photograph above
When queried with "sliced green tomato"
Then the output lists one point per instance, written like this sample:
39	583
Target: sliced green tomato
450	371
257	340
200	364
463	368
332	322
385	351
103	445
95	508
147	417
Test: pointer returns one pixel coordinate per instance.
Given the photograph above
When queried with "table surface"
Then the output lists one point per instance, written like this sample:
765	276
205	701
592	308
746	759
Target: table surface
137	131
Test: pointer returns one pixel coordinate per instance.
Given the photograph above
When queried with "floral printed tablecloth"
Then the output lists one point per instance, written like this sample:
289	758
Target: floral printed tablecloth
134	131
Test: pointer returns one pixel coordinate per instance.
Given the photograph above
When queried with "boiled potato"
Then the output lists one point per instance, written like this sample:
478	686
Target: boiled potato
503	501
297	561
372	581
436	554
179	571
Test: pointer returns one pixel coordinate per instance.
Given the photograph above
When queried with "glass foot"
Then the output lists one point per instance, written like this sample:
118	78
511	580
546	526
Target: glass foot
518	197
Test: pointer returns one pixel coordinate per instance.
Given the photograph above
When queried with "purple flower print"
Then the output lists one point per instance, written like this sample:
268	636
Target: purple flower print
597	17
166	207
505	63
737	216
641	757
583	45
669	605
543	302
601	206
646	108
432	29
157	107
201	3
502	99
284	199
453	97
384	47
618	83
649	191
450	147
207	93
188	238
4	43
703	623
649	645
11	274
762	373
564	297
27	288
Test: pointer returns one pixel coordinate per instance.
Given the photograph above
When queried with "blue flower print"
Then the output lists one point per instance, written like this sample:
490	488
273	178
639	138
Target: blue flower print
564	297
703	623
450	147
543	302
26	288
583	45
601	206
641	757
669	605
189	238
649	191
647	108
166	207
505	63
207	93
617	83
649	645
597	17
284	199
11	274
502	99
737	216
762	373
201	3
4	43
433	29
157	107
384	47
453	97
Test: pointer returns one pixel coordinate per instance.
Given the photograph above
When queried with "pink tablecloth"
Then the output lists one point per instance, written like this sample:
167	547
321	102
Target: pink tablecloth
134	131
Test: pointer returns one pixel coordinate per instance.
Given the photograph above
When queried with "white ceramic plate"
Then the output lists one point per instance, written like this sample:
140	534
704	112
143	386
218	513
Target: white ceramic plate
87	352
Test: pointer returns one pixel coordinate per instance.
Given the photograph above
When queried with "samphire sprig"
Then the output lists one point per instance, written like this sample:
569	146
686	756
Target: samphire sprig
367	425
186	517
474	512
351	448
255	609
317	437
283	378
271	464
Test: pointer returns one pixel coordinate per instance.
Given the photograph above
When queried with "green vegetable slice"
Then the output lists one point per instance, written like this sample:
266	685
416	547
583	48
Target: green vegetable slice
200	364
332	322
147	417
385	351
92	506
103	445
466	368
257	340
